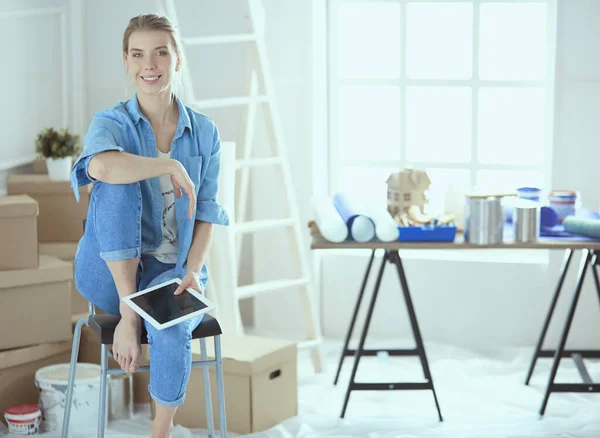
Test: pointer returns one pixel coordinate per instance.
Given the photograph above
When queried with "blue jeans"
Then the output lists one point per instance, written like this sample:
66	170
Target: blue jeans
114	224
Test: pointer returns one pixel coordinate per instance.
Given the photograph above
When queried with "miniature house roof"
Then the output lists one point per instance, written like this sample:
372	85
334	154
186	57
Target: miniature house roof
409	179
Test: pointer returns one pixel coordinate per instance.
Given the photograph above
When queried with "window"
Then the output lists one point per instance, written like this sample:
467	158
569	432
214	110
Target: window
463	89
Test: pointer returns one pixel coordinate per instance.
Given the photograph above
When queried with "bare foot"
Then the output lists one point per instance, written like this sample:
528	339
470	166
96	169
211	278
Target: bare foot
126	344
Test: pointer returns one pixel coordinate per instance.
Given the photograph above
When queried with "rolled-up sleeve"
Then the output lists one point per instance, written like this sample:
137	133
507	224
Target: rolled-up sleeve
207	208
103	135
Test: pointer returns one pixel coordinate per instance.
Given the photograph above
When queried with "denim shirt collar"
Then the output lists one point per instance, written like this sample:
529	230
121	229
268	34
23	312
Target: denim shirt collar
133	108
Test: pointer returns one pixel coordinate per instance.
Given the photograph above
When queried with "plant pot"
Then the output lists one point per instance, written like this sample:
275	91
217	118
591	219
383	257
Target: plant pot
59	169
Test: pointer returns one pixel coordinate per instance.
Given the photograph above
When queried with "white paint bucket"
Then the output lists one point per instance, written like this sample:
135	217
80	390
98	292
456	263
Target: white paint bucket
52	384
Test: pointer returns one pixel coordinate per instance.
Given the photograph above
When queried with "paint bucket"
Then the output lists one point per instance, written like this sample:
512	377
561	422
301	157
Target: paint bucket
23	419
526	221
52	385
529	193
484	223
563	202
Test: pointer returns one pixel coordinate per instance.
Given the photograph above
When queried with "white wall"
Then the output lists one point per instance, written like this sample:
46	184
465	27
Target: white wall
39	76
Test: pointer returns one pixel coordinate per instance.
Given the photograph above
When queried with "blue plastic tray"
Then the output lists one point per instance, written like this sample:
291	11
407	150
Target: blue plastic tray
427	233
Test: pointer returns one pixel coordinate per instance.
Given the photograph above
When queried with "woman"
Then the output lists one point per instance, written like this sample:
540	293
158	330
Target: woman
155	165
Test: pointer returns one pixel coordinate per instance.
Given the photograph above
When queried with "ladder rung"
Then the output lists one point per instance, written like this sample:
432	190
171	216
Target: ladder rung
257	162
311	343
219	39
263	224
268	286
229	101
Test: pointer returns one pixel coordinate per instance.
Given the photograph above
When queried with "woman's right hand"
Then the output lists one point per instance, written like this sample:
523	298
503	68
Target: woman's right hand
182	181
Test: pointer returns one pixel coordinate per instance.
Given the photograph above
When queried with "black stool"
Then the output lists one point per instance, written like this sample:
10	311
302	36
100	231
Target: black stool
104	326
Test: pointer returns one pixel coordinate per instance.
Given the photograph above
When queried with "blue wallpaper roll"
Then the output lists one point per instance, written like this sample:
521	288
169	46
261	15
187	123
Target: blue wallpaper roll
360	226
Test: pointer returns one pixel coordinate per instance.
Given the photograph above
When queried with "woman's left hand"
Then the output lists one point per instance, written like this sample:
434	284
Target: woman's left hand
190	280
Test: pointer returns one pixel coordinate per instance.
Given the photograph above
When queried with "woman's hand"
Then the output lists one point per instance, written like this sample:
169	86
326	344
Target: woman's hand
191	280
182	181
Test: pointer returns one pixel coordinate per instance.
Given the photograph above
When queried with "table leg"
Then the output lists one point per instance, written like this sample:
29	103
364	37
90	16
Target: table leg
586	257
363	335
345	351
540	343
594	263
395	258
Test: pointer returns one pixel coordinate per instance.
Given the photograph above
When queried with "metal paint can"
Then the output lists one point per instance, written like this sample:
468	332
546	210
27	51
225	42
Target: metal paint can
484	220
526	221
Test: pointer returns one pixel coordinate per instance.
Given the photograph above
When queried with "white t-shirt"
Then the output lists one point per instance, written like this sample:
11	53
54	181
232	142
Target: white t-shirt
167	251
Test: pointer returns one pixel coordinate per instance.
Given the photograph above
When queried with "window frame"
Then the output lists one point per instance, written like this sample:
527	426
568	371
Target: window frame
335	83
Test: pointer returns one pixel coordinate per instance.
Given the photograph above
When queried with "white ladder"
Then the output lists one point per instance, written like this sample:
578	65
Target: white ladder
260	75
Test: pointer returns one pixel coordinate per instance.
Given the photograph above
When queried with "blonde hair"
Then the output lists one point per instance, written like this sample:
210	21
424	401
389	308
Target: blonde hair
149	22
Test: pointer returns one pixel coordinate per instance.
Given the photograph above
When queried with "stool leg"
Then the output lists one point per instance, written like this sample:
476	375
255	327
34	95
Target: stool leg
72	369
131	395
207	399
103	384
220	388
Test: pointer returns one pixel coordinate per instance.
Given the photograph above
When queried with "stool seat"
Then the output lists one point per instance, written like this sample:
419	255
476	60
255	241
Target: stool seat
104	326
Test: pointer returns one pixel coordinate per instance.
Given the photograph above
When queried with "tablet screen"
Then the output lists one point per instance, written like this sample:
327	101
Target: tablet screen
162	305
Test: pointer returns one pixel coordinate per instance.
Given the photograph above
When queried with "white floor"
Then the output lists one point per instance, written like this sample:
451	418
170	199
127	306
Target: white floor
480	397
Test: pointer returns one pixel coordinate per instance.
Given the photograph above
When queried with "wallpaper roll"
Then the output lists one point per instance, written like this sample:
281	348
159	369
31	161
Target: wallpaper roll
328	219
386	229
360	225
583	227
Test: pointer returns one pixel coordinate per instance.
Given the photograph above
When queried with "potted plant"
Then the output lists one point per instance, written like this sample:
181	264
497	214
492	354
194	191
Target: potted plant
58	147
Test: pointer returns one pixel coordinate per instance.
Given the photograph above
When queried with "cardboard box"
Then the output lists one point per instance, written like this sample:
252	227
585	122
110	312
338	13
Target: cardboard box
89	351
60	215
18	367
18	232
35	304
66	252
261	385
39	165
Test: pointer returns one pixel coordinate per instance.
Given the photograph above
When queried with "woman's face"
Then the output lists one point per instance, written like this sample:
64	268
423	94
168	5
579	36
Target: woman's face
152	61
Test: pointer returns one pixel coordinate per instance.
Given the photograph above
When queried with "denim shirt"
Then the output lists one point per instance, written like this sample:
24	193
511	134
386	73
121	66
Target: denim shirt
196	145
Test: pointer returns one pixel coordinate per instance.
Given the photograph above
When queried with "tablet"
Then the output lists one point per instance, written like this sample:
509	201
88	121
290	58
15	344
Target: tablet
160	307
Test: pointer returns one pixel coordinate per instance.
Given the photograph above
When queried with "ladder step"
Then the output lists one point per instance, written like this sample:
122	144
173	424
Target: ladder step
311	343
268	286
229	101
257	162
220	39
264	224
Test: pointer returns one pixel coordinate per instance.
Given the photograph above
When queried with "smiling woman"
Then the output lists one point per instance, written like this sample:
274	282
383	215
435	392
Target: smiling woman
155	166
151	53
